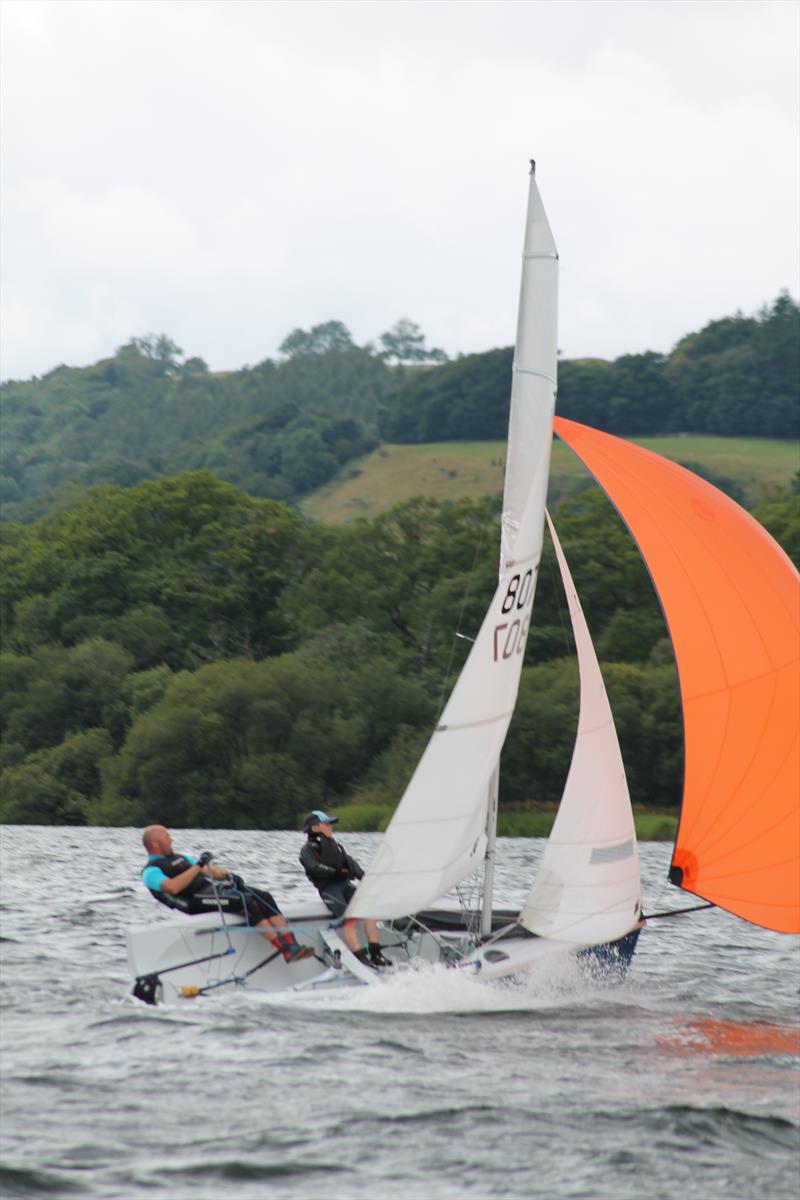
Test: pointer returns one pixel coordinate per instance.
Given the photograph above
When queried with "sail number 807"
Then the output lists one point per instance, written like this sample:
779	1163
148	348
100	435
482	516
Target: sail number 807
510	637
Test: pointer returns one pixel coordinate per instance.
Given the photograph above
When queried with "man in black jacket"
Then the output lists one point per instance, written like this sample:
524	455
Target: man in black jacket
330	868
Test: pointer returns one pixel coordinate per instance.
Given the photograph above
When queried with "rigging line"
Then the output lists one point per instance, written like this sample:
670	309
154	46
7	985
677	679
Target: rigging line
245	928
676	912
239	979
179	966
469	898
446	948
213	883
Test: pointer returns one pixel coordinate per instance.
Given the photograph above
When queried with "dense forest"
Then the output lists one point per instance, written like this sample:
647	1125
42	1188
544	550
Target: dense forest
739	376
180	651
282	428
180	645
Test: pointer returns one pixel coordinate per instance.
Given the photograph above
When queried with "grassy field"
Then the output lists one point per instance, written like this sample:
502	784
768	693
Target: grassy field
652	825
454	470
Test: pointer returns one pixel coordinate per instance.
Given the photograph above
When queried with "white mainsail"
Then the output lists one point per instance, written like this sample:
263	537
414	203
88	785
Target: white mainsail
438	833
533	387
533	399
587	890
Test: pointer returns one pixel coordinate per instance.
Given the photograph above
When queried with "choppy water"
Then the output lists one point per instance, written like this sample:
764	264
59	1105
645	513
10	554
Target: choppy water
682	1083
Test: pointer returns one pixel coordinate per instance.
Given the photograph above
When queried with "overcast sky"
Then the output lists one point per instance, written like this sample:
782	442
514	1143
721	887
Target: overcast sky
225	172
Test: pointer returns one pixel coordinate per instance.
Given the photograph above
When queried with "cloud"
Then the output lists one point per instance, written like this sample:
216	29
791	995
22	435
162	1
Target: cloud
226	172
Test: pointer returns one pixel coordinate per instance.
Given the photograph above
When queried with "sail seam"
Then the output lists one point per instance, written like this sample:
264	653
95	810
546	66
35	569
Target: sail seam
756	677
574	843
515	562
710	837
474	724
568	920
532	371
541	254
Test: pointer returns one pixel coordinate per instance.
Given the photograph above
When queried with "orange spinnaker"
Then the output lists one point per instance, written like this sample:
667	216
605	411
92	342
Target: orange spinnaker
731	598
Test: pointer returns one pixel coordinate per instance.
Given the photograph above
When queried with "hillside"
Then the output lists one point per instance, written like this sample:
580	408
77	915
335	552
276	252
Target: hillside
748	468
282	429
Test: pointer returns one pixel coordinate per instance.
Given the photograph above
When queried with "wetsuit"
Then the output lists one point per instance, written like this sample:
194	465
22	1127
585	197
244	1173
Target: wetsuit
199	896
330	868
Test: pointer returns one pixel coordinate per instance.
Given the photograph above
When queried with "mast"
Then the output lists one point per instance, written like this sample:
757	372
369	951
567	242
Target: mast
533	397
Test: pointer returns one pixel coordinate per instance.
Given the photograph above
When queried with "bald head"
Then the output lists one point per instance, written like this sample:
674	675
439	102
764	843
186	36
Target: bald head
156	840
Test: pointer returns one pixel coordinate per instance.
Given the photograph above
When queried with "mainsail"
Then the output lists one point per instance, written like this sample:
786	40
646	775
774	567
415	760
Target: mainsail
732	605
587	888
533	386
438	833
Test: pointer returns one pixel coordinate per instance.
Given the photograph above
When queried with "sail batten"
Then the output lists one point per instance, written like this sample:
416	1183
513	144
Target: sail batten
731	599
453	728
532	371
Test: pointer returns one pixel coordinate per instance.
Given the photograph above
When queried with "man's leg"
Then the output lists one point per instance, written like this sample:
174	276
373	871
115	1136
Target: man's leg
372	931
376	956
263	913
337	897
350	935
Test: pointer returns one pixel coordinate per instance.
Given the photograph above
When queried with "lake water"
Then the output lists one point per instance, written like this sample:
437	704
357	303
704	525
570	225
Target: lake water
682	1082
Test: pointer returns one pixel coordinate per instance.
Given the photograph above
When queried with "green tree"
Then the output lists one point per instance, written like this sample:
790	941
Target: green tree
58	785
158	347
780	516
306	461
405	343
319	339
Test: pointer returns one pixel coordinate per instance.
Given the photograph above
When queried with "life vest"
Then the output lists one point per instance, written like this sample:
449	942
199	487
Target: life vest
326	853
330	853
176	864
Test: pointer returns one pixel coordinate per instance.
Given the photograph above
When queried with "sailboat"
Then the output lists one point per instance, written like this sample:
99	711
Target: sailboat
731	601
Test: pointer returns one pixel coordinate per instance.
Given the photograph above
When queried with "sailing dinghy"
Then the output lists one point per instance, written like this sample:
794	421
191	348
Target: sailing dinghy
731	601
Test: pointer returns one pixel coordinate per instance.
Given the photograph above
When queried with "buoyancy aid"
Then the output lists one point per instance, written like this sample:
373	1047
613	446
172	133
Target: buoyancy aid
323	859
172	865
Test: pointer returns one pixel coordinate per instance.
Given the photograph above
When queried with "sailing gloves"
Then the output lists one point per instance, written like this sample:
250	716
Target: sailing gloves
205	858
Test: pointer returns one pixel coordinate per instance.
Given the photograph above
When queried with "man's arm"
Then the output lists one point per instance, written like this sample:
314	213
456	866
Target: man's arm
316	871
354	866
178	882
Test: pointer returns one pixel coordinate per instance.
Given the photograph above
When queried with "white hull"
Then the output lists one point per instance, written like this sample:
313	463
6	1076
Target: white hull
235	954
192	956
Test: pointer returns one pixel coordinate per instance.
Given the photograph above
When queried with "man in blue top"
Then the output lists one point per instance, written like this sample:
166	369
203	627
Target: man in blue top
183	883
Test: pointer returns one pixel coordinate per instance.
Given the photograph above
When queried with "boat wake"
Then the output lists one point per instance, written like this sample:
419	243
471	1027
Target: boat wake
432	988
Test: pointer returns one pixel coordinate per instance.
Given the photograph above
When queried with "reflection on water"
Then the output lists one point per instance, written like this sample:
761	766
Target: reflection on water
731	1038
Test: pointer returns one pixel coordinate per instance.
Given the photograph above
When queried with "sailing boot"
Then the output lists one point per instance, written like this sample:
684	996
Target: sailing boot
363	957
290	948
377	958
